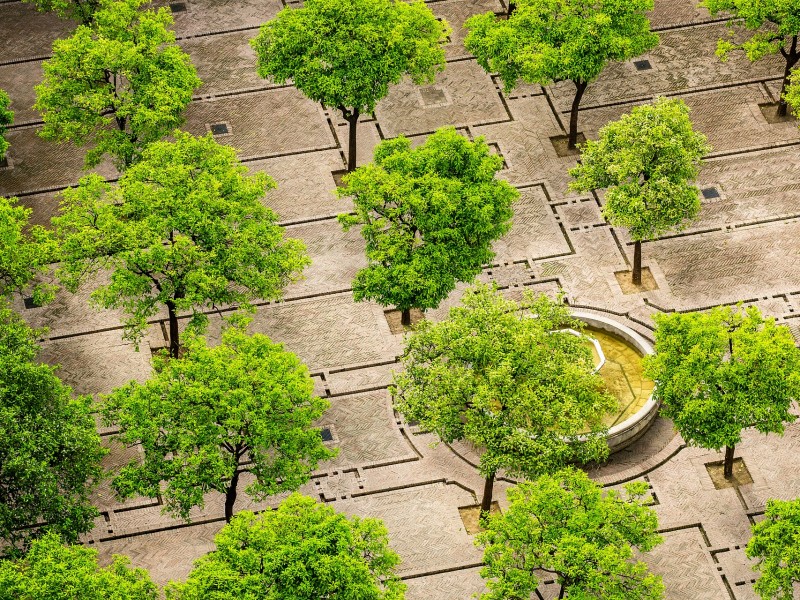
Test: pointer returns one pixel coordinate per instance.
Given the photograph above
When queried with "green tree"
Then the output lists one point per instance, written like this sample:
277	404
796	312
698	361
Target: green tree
118	85
775	25
6	118
429	216
507	377
245	406
49	448
564	525
648	160
52	571
546	41
25	252
304	550
346	53
792	93
776	543
722	371
184	227
79	10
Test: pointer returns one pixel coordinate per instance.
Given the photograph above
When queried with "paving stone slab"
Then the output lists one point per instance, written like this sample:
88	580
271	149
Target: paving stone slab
467	97
36	165
263	124
28	33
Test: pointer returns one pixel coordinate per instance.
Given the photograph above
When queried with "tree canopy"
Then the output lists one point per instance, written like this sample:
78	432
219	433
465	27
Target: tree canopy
117	85
776	545
244	406
429	216
648	161
346	53
546	41
565	525
6	118
25	252
184	227
774	27
49	448
508	378
723	371
53	571
79	10
304	550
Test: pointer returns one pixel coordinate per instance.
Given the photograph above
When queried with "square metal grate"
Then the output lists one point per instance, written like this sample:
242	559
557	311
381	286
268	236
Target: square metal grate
642	65
710	193
327	436
219	129
177	7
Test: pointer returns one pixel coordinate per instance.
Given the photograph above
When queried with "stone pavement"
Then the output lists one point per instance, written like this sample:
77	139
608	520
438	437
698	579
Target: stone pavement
743	248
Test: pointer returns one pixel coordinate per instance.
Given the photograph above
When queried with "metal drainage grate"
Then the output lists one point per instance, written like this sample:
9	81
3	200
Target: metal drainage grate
219	129
30	303
642	65
177	7
710	193
3	163
327	436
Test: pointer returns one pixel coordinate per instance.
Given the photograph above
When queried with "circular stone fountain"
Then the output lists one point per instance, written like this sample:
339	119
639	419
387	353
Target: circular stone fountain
619	363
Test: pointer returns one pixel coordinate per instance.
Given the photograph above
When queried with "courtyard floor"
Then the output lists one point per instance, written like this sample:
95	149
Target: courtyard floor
743	247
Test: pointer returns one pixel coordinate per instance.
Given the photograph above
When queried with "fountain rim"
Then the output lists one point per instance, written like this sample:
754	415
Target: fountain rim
642	345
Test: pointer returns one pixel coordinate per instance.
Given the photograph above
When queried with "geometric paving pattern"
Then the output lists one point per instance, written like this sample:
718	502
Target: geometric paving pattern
742	248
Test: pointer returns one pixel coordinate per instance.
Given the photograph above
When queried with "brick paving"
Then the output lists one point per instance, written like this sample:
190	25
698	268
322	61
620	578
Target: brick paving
743	247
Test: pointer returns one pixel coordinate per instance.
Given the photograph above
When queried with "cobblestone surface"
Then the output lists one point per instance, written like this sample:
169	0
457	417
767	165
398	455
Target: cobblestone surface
743	247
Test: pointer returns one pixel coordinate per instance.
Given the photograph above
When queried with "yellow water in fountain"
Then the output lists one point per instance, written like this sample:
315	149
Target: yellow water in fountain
622	373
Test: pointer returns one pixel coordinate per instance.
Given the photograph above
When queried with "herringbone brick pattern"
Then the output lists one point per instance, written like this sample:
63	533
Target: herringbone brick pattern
743	247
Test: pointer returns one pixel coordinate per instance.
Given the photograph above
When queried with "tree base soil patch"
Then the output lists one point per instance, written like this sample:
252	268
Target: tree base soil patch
770	112
470	516
337	177
561	145
627	286
741	476
393	318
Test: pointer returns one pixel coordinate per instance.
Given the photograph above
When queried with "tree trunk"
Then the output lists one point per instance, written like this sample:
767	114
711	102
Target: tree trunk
230	496
728	469
174	340
580	87
561	592
351	140
791	60
486	503
637	263
512	6
405	317
538	594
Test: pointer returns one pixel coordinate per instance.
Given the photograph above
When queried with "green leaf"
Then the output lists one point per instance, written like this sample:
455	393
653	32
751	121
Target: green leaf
429	216
501	375
765	26
545	41
246	405
53	571
304	550
185	226
49	448
776	543
346	53
723	371
564	523
6	118
117	85
647	160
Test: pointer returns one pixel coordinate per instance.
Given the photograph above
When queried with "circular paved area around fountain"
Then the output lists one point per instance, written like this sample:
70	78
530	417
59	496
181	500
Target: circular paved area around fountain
743	247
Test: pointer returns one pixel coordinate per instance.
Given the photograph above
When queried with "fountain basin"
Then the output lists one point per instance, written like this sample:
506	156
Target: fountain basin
622	350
